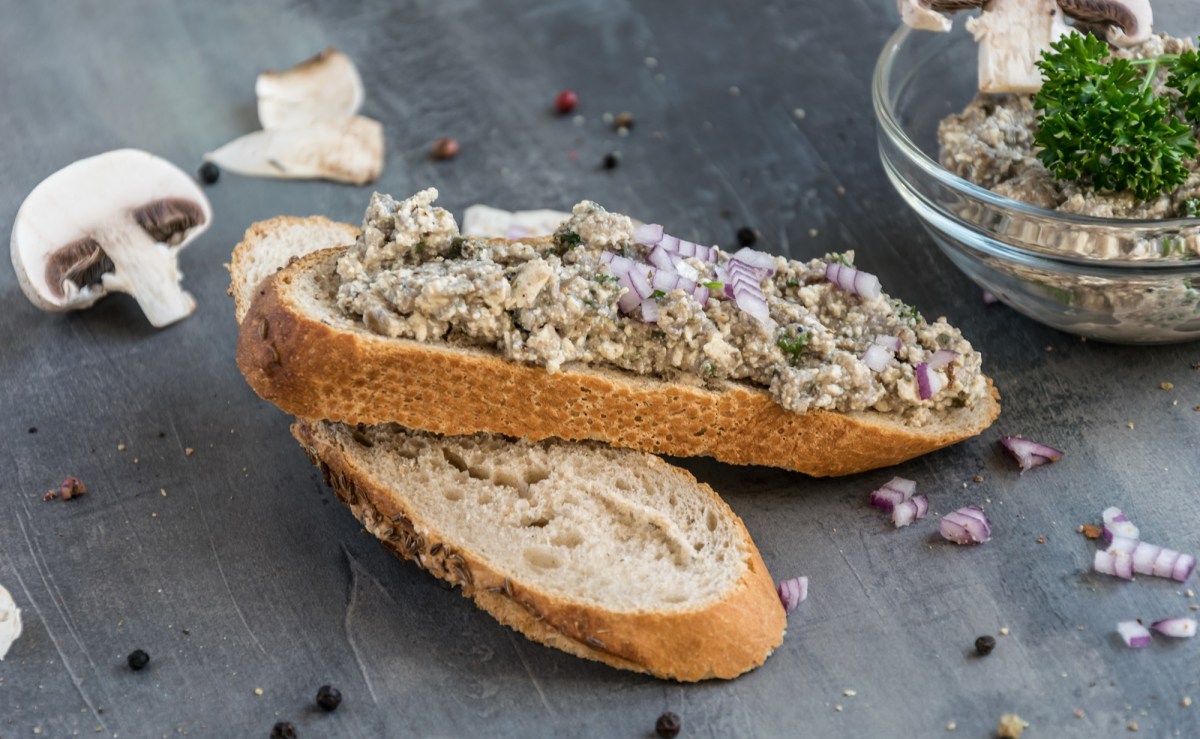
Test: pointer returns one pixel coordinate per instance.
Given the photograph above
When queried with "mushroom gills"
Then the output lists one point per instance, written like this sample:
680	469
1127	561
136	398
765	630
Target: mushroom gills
76	266
1123	22
168	221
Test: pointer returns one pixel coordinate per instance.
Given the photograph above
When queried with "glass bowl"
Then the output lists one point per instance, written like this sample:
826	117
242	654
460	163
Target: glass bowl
1026	256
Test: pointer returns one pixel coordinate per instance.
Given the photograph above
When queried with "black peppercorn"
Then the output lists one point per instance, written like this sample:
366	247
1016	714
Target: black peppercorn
984	645
328	697
611	160
284	730
667	725
209	173
746	236
138	659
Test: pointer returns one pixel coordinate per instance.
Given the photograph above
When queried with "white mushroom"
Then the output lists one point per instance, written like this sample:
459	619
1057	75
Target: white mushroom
110	223
344	150
1012	34
325	86
10	622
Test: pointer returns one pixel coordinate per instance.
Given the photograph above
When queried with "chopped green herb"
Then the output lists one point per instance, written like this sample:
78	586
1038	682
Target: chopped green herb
714	285
1171	245
420	248
1191	207
568	239
794	282
658	294
792	345
840	259
606	278
709	368
907	312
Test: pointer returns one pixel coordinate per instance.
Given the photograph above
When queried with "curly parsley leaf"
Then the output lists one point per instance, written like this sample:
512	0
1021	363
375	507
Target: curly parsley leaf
568	239
1185	77
792	345
1101	123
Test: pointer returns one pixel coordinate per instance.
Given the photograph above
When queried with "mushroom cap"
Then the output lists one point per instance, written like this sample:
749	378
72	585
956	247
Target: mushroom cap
1129	21
929	15
325	86
68	209
344	150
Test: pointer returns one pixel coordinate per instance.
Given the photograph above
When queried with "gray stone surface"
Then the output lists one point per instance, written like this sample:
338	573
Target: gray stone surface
236	569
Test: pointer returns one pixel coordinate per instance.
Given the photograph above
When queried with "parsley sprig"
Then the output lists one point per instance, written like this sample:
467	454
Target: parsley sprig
1101	123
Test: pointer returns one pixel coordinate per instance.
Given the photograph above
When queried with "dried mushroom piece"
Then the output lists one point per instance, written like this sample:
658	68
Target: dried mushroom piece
114	222
10	622
1012	34
343	150
327	86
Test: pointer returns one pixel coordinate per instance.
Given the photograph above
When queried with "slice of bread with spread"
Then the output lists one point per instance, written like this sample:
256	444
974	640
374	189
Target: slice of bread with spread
607	554
770	364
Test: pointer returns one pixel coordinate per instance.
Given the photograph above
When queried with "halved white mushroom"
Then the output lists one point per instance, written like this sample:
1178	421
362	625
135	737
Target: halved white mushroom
114	222
10	622
1012	34
344	150
323	87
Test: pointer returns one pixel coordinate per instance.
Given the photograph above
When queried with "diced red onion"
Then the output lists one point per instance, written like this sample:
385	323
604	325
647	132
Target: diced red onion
755	258
641	283
1116	523
629	299
910	510
745	286
1134	634
684	269
650	311
988	298
852	280
894	491
1113	514
1028	453
890	342
701	295
648	234
1126	556
1180	628
941	358
1118	565
792	592
967	525
876	357
661	258
929	383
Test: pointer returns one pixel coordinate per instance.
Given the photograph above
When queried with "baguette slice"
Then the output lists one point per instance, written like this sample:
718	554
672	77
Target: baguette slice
299	350
607	554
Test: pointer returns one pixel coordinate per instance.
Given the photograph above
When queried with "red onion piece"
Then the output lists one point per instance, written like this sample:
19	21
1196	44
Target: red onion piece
701	295
1126	556
910	510
683	269
1113	514
1118	565
648	234
1180	628
661	258
988	298
967	525
745	286
852	280
929	383
1116	523
890	342
629	299
941	358
650	311
1134	634
894	491
755	258
876	357
1029	454
792	592
641	283
1183	567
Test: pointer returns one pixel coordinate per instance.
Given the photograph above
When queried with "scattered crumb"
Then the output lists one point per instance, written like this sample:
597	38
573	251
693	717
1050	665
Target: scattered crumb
1011	726
735	90
1130	424
651	62
135	460
153	515
799	114
850	693
1187	701
1194	607
1089	530
1196	365
163	491
258	691
579	120
978	478
1003	631
814	233
189	451
840	190
121	447
838	708
622	131
1041	539
1167	386
1078	713
1049	348
1197	408
1132	726
1189	593
607	118
951	726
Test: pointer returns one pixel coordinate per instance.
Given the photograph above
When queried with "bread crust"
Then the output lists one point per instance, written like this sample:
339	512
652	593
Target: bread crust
334	368
722	640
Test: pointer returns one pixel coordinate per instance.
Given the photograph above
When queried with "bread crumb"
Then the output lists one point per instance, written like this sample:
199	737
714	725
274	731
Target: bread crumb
121	447
951	726
1187	701
850	693
978	478
258	691
189	451
1078	713
1003	631
735	90
840	190
650	62
838	708
1188	593
1090	531
1041	539
813	233
163	491
1194	607
799	114
1167	386
1132	726
1011	726
1049	348
1130	424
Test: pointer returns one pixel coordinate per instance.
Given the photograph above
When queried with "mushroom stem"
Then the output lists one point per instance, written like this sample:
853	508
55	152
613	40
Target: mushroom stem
148	271
1012	34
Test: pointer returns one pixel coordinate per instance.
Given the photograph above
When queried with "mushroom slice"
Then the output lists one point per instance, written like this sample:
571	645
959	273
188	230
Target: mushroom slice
10	622
112	222
484	220
325	86
929	15
1012	34
344	150
1129	22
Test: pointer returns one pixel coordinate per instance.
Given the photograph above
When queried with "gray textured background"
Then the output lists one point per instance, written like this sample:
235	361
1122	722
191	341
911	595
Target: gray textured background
247	574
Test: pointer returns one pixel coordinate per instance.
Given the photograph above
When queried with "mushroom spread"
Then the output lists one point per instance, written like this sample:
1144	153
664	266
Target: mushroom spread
818	345
110	223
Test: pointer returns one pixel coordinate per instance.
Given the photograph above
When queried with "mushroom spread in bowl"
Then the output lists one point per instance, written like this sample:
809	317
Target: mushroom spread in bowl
1058	251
